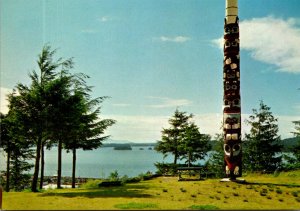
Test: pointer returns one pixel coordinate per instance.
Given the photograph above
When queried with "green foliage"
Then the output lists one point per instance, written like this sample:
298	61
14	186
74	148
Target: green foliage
215	162
296	149
134	205
167	168
18	153
262	143
114	176
91	184
183	139
194	145
171	137
204	207
56	108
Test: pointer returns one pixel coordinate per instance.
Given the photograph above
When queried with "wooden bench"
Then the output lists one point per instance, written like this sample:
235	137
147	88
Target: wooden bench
189	173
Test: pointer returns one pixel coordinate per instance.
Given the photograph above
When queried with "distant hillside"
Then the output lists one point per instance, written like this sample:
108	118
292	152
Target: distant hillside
288	144
118	143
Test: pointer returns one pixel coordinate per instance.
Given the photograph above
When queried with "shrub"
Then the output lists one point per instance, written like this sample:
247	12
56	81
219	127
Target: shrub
263	192
114	176
182	190
295	193
279	191
91	184
109	183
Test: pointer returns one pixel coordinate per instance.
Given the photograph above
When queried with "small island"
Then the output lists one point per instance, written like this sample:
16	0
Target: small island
123	147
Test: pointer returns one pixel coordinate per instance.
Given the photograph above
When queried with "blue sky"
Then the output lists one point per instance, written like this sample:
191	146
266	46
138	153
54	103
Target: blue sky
153	56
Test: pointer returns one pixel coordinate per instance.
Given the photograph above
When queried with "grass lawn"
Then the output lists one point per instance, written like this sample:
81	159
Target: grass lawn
260	192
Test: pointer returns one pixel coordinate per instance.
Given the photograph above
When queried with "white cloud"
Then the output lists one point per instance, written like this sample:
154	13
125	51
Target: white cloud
286	126
176	39
148	128
166	102
3	99
271	40
136	128
105	18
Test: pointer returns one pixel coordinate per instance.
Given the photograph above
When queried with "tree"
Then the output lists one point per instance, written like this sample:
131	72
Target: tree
194	145
86	128
17	148
171	137
6	146
263	142
296	150
215	162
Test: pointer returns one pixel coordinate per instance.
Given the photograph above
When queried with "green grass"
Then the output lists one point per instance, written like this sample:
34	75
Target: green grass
260	192
203	207
134	205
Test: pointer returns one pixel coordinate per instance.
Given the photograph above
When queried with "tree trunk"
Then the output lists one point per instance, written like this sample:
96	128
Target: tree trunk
42	166
37	165
59	164
74	168
7	172
175	158
189	159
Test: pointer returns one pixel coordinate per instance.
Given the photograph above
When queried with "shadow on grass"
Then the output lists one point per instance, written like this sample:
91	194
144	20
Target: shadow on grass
273	184
136	191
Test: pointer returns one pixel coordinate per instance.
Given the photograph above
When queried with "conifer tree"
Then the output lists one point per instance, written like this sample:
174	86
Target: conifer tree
262	144
171	137
296	150
194	145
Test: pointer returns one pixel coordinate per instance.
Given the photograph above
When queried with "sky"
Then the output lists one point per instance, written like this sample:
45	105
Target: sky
152	57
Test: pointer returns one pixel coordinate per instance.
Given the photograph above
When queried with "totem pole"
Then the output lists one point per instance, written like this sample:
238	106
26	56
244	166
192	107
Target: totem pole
232	98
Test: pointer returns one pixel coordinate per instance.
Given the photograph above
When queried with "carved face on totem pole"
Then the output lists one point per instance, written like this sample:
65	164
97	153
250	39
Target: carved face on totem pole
232	105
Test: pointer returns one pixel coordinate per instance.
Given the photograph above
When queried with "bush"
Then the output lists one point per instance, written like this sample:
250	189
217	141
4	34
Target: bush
166	168
109	183
91	184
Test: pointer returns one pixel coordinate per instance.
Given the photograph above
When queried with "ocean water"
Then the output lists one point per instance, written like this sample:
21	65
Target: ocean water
101	162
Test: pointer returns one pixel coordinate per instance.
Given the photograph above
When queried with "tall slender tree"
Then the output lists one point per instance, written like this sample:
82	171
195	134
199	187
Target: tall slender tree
262	144
86	128
6	145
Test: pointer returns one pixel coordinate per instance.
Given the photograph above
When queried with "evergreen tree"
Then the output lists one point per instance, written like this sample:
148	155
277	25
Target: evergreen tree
86	128
263	142
215	162
194	145
171	137
17	148
296	150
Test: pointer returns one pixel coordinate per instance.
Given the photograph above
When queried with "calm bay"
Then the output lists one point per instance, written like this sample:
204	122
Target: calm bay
101	162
